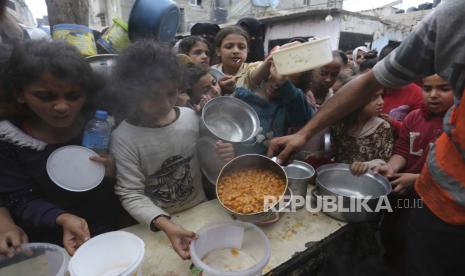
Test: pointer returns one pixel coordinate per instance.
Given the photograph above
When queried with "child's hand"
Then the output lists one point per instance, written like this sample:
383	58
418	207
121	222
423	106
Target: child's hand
359	168
278	79
403	182
225	151
108	161
227	84
75	231
179	237
203	101
11	238
385	170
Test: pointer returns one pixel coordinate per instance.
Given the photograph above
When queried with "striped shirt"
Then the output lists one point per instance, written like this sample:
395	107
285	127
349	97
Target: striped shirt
434	47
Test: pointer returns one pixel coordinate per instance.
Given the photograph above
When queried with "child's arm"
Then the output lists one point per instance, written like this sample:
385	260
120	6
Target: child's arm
11	235
179	237
298	108
75	231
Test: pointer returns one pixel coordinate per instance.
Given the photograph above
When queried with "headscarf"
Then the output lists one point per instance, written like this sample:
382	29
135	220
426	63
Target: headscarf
255	30
354	54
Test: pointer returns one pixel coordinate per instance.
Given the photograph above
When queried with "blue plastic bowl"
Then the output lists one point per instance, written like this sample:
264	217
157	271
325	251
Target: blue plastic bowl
158	19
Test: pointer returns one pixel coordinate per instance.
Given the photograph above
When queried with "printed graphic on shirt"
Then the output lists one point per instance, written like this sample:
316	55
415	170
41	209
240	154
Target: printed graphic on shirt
173	183
399	112
413	136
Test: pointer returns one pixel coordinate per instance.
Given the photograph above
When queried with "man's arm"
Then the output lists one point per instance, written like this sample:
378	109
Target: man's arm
350	97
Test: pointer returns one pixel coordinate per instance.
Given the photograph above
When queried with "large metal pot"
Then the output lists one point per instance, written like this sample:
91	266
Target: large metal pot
255	161
229	119
336	182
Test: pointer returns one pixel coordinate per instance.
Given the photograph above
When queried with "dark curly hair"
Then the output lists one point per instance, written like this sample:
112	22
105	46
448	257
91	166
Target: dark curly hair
139	71
29	60
192	74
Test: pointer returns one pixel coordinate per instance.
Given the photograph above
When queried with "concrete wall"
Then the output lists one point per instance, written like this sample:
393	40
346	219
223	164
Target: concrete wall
304	27
362	25
317	4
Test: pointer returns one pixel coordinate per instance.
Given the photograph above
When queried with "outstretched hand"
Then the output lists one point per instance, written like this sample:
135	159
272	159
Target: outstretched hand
75	231
286	145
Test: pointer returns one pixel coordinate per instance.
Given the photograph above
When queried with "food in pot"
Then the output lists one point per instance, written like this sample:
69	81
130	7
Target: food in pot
243	191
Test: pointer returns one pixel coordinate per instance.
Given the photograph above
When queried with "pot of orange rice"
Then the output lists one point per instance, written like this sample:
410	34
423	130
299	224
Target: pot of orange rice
251	187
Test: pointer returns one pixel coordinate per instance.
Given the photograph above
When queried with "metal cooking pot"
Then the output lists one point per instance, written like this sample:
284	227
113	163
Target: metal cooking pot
157	19
336	180
255	161
229	119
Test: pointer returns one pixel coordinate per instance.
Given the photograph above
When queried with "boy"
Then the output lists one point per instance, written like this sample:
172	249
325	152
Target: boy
154	148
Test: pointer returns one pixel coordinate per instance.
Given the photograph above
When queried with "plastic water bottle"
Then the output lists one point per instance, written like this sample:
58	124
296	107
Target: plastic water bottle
97	133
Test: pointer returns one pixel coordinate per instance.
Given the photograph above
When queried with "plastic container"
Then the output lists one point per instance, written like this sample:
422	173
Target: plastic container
79	36
39	258
97	133
230	249
303	57
116	38
113	253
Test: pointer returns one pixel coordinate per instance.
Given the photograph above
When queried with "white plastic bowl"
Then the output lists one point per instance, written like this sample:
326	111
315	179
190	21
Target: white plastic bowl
113	253
36	259
303	57
231	249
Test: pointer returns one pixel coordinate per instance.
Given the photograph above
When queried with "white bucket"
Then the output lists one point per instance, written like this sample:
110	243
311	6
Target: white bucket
231	249
39	258
113	253
303	57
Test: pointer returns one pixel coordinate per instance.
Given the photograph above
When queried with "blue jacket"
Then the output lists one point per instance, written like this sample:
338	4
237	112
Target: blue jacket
276	117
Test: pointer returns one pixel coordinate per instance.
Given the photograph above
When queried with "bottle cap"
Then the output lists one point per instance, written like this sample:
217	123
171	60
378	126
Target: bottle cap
100	114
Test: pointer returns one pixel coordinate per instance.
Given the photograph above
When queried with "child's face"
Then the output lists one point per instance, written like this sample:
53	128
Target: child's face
375	106
233	51
325	77
360	57
207	86
200	54
158	103
438	94
57	103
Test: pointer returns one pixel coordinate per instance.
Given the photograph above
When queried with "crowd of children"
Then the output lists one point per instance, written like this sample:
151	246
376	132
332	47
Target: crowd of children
48	91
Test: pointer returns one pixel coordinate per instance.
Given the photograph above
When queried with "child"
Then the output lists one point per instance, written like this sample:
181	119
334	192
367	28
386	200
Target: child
155	147
363	136
279	105
50	88
322	79
201	87
232	46
197	48
420	128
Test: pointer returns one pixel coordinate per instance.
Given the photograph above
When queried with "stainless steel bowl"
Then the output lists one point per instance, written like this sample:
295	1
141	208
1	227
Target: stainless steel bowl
336	180
229	119
253	161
